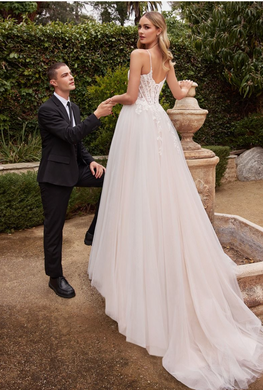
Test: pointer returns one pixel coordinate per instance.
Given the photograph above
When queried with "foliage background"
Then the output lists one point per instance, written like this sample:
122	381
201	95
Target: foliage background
95	52
230	34
98	55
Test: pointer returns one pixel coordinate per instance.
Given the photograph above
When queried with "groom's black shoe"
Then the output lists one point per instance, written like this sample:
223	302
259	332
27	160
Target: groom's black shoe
88	238
62	287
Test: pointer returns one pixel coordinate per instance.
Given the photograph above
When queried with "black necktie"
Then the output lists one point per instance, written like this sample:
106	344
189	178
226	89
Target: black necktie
71	124
70	114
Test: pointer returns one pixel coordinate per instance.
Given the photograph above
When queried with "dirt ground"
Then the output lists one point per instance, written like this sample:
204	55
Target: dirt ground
47	342
241	198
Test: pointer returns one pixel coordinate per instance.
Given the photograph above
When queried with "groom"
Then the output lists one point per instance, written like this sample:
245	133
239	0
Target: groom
65	163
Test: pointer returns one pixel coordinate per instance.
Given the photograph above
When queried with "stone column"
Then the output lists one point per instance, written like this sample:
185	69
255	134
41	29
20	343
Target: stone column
187	118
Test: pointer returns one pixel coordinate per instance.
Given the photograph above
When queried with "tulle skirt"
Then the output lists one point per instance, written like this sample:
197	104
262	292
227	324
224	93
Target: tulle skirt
158	262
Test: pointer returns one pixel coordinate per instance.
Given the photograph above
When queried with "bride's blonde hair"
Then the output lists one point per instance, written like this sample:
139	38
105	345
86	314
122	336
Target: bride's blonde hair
158	21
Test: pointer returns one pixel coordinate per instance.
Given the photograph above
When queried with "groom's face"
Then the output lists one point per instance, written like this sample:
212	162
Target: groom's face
64	81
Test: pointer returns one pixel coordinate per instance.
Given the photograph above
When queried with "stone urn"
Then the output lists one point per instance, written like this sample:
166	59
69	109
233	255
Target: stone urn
187	118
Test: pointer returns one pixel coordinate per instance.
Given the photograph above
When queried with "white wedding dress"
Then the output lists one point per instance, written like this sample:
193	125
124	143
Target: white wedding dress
157	260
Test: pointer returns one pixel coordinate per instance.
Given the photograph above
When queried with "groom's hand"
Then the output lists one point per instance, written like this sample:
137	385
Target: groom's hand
97	170
104	109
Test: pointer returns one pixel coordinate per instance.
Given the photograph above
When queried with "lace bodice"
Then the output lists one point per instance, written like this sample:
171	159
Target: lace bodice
148	101
149	90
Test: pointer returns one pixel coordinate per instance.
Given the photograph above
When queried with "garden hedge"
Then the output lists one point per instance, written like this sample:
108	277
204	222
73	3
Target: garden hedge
92	49
27	50
20	201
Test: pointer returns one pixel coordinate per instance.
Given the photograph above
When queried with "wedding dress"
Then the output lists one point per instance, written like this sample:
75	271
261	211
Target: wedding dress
158	262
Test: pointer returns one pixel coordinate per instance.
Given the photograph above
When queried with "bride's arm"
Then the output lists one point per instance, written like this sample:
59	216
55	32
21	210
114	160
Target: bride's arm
179	89
134	81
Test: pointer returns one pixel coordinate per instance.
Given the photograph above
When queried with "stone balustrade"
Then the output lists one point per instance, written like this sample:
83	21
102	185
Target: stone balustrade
19	167
28	166
229	176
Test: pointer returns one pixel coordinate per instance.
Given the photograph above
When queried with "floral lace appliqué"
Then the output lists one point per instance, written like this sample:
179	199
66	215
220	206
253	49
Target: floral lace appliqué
172	131
148	100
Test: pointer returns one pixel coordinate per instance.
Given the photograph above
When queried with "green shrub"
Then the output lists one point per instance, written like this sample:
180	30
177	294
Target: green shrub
20	148
20	201
247	132
113	83
222	152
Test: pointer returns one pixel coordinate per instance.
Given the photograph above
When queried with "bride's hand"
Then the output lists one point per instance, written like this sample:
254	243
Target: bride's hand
185	84
111	99
103	109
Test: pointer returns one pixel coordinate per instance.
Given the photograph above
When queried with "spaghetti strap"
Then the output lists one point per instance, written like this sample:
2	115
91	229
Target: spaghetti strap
150	59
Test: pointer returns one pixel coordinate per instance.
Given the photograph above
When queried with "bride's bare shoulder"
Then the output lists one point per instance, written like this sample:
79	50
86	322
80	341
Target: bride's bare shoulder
139	53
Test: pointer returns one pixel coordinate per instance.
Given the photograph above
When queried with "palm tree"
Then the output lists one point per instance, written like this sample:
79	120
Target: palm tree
139	7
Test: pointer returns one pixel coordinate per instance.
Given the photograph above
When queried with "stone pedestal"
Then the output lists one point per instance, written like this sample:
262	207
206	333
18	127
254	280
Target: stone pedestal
203	172
187	118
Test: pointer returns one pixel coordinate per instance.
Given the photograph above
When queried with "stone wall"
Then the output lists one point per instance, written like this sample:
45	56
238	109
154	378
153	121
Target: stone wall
231	170
18	168
229	176
25	167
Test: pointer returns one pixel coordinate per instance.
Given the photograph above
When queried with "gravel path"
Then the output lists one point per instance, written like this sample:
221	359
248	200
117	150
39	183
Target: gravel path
47	342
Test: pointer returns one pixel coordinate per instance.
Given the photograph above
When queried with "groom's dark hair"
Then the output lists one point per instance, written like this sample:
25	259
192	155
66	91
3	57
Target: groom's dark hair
52	71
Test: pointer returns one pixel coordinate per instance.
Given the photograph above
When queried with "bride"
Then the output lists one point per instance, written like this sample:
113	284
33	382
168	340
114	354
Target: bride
155	256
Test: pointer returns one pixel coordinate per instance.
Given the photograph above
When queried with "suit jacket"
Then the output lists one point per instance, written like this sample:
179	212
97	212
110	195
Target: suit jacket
60	141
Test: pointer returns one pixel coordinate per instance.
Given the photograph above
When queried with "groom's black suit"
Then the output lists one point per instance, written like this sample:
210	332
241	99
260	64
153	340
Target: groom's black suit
64	164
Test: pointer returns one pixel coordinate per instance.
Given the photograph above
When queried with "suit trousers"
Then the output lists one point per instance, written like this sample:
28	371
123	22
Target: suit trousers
55	202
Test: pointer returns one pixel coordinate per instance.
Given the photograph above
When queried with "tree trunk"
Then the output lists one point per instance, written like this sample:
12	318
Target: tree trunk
137	19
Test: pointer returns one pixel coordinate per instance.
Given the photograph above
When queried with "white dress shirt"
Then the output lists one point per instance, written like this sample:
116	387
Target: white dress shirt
65	104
